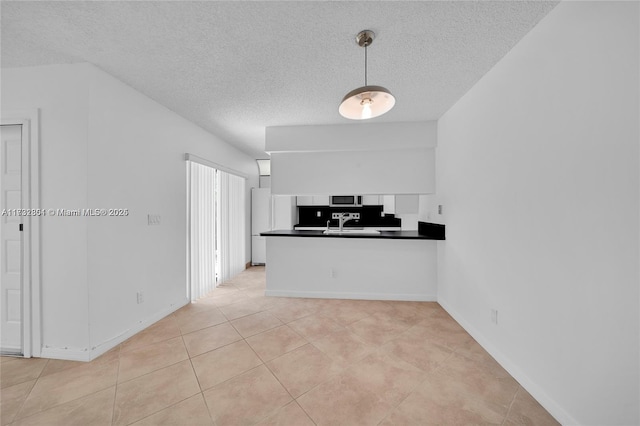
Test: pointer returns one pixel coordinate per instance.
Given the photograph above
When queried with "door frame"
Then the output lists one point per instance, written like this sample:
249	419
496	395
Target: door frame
31	287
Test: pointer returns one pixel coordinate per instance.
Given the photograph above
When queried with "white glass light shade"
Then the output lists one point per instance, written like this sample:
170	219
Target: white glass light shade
366	102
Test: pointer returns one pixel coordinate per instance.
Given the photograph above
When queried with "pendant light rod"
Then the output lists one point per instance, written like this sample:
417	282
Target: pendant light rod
365	64
364	39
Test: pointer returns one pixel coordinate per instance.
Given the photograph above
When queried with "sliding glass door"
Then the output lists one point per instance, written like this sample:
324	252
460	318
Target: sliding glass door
217	220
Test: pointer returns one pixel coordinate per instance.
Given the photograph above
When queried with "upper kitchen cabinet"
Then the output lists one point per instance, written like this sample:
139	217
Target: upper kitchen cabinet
363	159
371	200
312	200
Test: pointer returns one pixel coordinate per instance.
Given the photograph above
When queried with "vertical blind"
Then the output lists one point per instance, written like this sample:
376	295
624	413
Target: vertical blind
217	227
202	203
232	225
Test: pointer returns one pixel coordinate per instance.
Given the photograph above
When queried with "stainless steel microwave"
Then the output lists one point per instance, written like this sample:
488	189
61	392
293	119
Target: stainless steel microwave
345	201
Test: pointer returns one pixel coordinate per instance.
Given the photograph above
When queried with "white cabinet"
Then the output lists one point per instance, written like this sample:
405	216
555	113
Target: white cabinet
389	204
371	200
320	200
304	200
284	212
315	200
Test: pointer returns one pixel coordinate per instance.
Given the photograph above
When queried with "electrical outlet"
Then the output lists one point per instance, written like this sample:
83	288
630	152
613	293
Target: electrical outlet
139	297
439	208
332	273
318	213
494	316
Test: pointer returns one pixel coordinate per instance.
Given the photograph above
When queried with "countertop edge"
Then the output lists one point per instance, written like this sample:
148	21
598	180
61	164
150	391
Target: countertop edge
389	235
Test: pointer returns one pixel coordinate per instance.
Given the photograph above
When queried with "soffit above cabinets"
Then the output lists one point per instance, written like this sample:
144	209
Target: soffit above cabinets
352	137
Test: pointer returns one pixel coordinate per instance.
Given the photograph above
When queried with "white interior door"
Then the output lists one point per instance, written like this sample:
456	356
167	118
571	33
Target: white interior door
11	239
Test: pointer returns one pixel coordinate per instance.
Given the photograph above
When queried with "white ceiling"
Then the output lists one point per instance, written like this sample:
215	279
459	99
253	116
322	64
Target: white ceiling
237	67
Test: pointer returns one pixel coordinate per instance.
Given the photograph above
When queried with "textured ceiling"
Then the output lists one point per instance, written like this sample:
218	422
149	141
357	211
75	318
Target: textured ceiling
237	67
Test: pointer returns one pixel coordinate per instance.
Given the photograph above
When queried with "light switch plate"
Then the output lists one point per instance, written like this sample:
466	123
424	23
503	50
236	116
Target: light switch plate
153	219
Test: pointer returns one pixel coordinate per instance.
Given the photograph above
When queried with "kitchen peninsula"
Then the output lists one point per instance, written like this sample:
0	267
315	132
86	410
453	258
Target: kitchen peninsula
390	265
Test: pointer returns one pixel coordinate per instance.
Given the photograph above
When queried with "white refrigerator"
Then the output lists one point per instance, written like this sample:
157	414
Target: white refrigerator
268	213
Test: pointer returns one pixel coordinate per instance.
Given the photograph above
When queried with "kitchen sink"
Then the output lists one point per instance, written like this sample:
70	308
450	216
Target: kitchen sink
351	232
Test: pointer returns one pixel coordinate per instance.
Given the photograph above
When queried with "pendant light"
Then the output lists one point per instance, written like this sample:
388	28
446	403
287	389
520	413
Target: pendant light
367	101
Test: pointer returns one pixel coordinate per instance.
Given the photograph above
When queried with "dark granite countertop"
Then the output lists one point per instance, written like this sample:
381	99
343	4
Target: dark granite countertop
393	235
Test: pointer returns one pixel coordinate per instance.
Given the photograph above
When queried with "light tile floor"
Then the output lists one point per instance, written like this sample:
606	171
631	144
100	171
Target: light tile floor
237	357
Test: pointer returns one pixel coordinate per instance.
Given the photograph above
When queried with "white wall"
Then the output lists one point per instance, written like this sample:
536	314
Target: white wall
128	153
62	97
537	168
370	158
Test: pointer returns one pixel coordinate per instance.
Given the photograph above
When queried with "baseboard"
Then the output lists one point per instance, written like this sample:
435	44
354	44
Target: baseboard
512	368
361	296
87	354
66	354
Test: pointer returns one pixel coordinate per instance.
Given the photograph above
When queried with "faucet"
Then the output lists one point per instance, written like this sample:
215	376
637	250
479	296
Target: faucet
344	217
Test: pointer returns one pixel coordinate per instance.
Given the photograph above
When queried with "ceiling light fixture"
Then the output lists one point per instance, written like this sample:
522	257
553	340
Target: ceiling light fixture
367	101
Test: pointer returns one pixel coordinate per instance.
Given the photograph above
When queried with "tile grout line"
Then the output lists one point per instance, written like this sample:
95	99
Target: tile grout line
14	418
115	393
513	400
293	399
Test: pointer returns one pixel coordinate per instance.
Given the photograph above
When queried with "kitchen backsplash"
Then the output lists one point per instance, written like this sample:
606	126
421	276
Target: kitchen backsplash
369	216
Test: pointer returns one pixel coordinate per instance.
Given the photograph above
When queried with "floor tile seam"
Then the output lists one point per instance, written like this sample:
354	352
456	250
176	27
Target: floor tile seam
230	378
143	347
199	329
23	401
115	395
331	377
344	365
279	381
242	316
178	402
305	411
164	408
274	411
149	344
194	371
413	389
244	339
295	401
215	349
151	372
478	397
56	405
282	354
478	366
156	412
206	404
260	332
413	364
443	363
295	319
513	400
43	368
203	391
19	383
33	378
